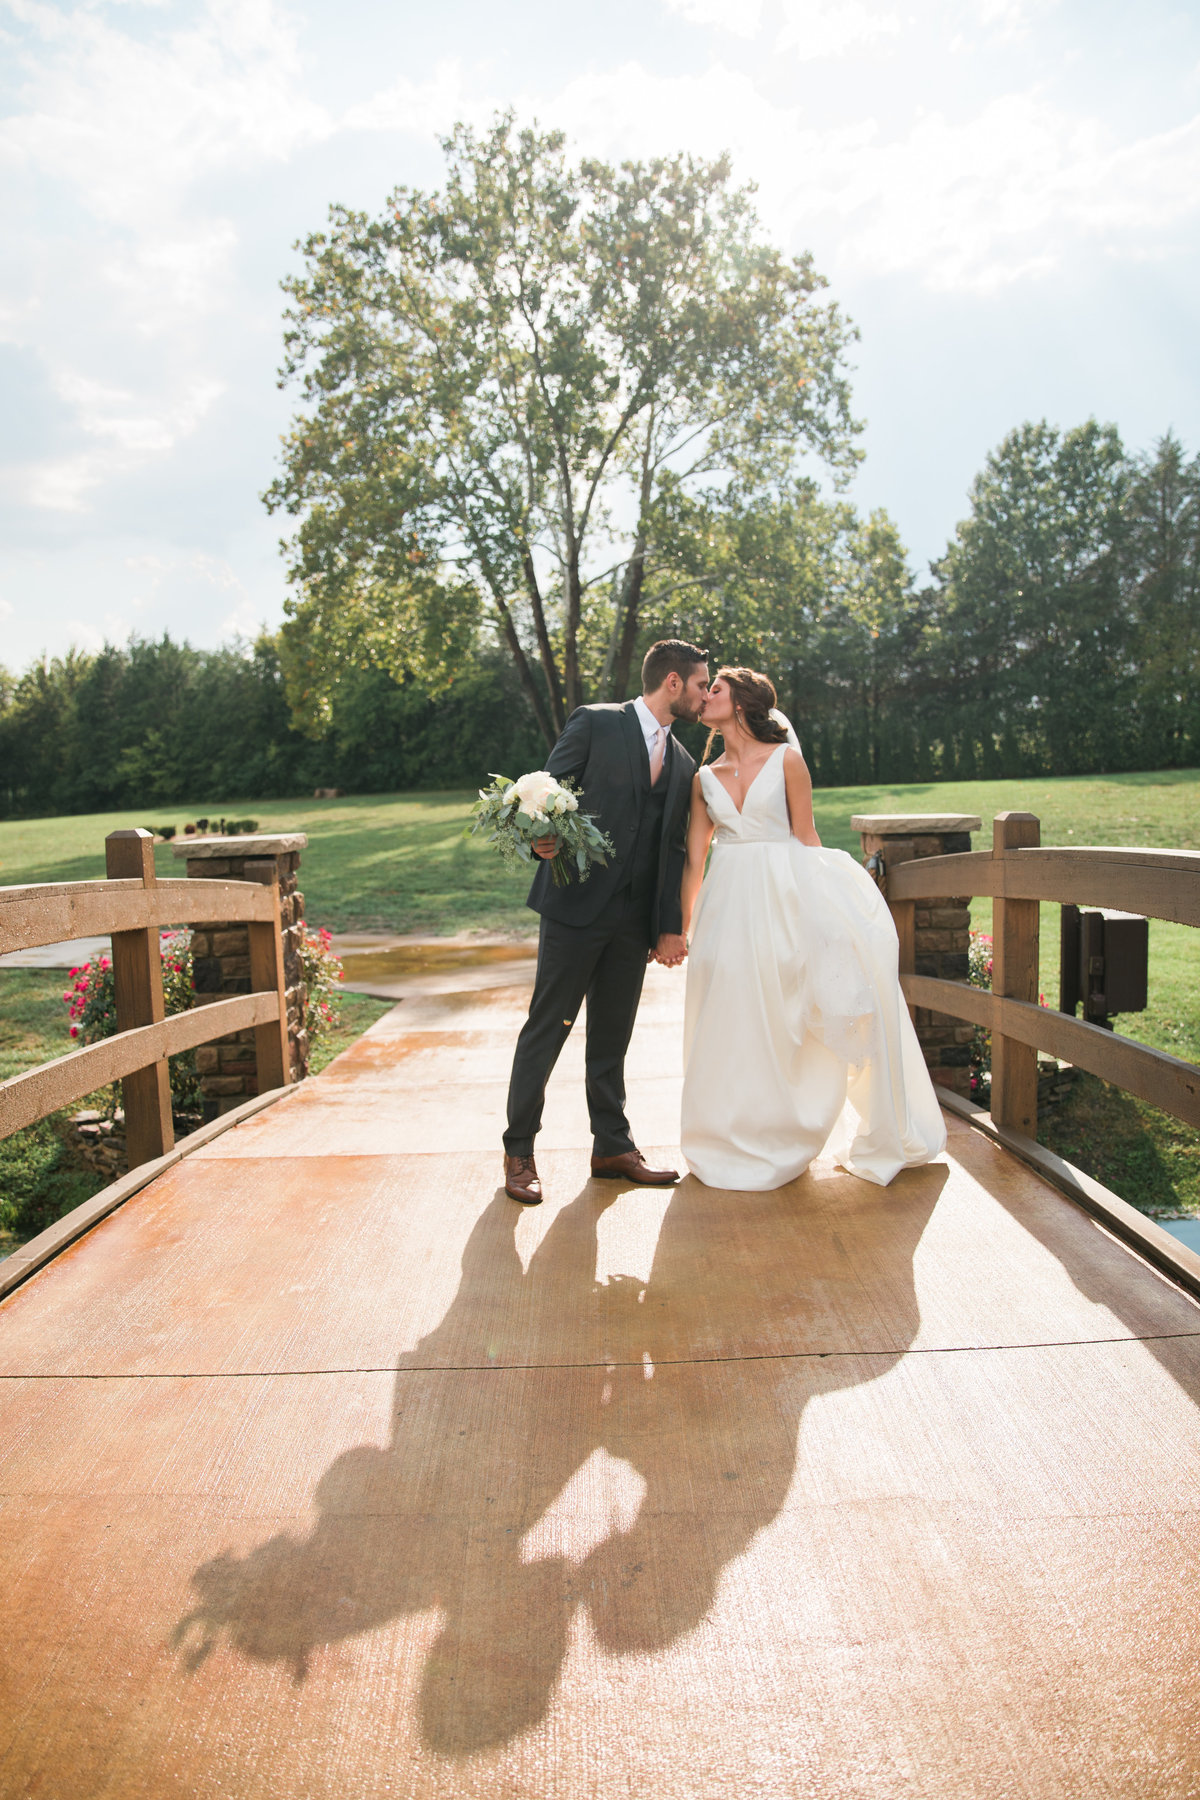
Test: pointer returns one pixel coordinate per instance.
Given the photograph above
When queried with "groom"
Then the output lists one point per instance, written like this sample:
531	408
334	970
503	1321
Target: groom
598	935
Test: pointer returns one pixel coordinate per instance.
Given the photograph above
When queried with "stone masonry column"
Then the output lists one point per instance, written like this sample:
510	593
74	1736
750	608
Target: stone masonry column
939	929
221	958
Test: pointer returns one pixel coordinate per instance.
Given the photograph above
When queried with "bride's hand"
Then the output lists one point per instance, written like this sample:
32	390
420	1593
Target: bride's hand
670	950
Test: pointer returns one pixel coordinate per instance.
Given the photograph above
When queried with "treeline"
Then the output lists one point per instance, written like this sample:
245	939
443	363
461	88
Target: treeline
1059	634
152	725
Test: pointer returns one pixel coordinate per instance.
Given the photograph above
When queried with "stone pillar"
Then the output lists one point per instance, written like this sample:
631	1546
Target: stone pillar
934	934
221	958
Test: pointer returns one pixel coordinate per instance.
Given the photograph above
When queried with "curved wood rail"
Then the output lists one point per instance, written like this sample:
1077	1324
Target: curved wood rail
131	907
26	1098
1159	884
1019	874
1152	1075
54	912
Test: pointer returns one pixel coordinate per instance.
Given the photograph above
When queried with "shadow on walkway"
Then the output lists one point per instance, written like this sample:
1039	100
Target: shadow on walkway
697	1394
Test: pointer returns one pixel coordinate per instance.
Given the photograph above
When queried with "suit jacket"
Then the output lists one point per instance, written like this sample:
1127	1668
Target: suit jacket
602	748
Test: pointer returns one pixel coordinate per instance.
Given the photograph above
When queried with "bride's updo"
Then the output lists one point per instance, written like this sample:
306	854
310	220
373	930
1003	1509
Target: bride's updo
753	697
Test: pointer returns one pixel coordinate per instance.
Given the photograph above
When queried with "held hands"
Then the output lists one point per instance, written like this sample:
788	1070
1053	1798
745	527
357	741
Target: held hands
670	950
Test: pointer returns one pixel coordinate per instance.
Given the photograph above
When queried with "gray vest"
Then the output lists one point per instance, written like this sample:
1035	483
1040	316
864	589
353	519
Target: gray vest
642	864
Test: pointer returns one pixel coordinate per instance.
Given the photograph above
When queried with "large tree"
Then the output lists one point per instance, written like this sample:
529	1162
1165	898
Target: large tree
1032	630
500	383
1162	573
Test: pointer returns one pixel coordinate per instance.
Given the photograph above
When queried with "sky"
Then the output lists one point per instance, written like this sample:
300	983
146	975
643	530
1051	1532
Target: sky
1003	194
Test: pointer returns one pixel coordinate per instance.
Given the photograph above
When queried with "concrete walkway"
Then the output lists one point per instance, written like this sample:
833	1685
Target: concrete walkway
326	1473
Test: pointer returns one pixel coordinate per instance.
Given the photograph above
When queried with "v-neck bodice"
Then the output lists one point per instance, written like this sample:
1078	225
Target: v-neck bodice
764	815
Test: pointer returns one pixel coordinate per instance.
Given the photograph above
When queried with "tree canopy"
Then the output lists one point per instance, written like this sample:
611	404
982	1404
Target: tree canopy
521	394
1059	634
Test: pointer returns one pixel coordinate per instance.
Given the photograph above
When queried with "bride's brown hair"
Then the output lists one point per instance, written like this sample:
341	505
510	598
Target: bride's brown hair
753	697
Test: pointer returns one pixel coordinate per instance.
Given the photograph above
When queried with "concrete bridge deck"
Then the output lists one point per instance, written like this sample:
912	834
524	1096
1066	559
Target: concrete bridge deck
326	1473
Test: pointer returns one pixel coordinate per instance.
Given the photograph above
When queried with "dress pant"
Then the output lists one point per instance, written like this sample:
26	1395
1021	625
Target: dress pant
604	962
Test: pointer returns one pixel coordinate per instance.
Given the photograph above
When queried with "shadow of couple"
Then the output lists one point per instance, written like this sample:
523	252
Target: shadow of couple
669	1407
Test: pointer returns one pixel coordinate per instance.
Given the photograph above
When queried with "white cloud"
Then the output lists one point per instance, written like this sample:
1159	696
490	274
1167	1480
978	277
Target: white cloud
130	124
815	29
62	484
84	635
215	571
1007	18
115	414
130	429
428	108
118	132
966	204
820	28
741	17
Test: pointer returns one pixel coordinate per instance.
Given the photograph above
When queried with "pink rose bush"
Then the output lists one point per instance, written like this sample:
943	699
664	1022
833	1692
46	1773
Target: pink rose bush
322	973
91	1003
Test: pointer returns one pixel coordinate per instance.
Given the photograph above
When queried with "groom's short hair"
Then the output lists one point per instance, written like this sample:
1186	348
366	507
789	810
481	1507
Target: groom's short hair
672	656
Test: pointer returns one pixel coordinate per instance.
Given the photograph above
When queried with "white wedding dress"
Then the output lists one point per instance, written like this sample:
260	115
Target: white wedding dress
794	1006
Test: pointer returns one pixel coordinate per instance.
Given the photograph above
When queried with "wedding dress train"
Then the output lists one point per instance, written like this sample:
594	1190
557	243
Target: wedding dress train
794	1006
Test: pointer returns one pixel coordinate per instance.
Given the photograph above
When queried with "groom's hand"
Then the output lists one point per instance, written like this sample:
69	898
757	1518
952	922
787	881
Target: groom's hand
670	950
546	848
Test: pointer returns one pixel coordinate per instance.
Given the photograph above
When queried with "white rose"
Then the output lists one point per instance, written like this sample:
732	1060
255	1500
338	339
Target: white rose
534	790
510	795
571	802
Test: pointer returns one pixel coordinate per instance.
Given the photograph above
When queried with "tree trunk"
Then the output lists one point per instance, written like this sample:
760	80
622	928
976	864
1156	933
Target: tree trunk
548	730
625	624
631	607
571	680
545	647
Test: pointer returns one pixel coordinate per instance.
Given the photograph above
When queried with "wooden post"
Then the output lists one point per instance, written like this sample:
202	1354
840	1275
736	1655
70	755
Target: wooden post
1015	977
137	979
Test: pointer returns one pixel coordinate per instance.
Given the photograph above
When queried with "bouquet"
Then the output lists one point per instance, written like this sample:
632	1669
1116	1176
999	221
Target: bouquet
516	814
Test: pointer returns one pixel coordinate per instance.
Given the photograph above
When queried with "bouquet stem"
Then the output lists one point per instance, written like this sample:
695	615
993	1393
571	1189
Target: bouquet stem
559	869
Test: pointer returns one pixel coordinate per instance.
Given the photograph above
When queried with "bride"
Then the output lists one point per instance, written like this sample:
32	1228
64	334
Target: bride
793	995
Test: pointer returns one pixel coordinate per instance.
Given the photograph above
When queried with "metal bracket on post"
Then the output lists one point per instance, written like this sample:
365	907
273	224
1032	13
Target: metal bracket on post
137	980
1015	927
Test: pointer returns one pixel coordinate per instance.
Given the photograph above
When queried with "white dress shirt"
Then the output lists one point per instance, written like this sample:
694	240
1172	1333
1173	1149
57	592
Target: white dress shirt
650	728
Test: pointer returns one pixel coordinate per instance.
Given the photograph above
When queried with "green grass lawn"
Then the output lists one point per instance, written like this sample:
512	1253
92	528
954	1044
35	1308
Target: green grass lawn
403	862
38	1183
397	862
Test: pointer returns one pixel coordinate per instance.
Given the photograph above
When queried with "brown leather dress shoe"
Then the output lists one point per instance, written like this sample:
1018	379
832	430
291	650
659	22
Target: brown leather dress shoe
632	1167
522	1181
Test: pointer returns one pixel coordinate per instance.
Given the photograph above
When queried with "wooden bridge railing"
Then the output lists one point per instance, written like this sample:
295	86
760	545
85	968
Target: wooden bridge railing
1018	874
134	906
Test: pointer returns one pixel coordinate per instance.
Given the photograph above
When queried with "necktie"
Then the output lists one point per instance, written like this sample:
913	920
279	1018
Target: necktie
657	750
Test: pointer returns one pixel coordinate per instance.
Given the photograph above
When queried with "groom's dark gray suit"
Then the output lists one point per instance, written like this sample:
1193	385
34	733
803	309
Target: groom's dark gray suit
596	934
